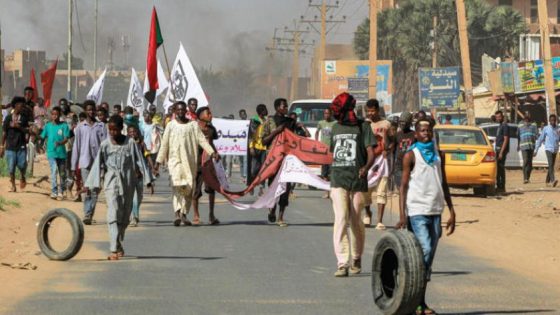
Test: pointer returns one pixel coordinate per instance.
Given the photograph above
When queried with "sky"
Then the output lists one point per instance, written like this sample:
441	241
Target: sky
215	33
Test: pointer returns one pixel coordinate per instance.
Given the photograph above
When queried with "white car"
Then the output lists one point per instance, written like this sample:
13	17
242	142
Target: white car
514	158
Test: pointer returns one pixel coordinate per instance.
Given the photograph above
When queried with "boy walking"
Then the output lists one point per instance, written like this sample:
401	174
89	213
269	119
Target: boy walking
352	143
14	142
550	137
56	133
423	193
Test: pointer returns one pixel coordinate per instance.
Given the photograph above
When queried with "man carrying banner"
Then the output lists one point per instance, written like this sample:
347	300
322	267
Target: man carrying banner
205	122
352	143
273	126
179	148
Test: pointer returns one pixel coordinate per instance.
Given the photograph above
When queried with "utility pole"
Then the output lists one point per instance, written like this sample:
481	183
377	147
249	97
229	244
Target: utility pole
95	42
323	8
465	60
295	68
69	57
434	48
271	48
372	91
548	78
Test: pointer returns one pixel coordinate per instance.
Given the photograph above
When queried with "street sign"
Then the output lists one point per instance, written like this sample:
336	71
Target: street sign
439	87
358	87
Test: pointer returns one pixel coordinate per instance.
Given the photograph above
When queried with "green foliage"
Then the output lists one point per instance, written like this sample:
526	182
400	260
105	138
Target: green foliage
404	36
5	203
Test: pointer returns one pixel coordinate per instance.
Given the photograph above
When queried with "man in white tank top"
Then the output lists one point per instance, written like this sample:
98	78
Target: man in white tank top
423	192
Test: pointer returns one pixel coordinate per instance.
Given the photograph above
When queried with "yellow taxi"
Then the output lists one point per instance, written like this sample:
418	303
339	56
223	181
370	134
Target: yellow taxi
470	160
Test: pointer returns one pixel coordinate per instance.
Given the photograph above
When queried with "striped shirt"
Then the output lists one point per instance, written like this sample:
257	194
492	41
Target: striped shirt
527	135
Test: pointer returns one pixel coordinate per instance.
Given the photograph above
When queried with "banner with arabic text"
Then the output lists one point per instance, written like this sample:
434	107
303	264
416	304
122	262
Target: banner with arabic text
232	136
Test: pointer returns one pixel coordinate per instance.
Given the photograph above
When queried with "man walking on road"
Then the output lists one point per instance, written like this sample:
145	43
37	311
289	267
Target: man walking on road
88	136
423	193
179	148
380	127
502	149
15	129
352	143
527	135
323	134
257	149
273	126
550	137
405	138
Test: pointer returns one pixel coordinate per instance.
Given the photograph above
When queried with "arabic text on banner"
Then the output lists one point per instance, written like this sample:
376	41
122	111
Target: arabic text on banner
232	136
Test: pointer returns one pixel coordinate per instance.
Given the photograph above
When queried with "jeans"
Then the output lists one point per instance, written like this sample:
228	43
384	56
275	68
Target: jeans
227	162
89	198
58	167
527	163
501	174
16	158
551	158
427	229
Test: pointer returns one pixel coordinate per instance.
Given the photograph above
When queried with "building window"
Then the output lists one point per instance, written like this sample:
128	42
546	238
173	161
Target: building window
505	2
534	11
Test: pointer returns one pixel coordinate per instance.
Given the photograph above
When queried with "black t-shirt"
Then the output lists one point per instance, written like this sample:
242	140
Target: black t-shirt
404	141
503	131
15	136
349	146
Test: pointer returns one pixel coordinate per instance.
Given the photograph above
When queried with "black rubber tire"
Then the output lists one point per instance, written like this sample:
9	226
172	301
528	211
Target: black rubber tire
398	278
490	190
77	234
479	191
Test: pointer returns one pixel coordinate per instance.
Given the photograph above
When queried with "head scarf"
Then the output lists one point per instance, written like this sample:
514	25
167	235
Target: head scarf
343	109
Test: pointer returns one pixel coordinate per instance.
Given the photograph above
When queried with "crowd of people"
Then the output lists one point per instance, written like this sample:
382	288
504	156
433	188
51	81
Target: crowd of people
89	149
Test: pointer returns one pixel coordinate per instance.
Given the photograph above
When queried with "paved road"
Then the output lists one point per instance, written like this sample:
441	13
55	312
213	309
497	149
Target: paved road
246	266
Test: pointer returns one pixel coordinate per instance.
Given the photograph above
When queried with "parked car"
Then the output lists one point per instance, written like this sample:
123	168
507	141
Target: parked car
514	158
470	161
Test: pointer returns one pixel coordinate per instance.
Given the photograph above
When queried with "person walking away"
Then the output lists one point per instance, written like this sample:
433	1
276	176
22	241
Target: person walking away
323	134
550	137
502	149
14	142
152	137
257	149
179	149
424	190
210	133
87	140
380	127
352	143
405	138
119	165
273	126
527	135
57	133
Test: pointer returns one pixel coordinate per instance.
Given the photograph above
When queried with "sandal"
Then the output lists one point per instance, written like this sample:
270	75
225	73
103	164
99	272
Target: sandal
282	224
120	254
113	256
214	221
195	222
429	311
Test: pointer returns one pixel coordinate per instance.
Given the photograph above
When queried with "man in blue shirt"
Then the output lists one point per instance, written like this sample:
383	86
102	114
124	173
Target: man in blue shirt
550	136
527	135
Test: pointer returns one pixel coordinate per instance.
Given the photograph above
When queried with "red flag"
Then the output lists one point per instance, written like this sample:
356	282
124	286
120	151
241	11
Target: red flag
155	40
47	81
33	84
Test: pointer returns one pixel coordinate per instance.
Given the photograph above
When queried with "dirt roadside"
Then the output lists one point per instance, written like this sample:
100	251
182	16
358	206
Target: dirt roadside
18	245
517	233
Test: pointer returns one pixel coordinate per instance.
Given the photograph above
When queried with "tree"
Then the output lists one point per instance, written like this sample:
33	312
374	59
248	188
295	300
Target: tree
404	36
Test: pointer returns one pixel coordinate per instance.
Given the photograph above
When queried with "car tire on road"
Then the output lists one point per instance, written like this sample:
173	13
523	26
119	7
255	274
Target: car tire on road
398	273
485	191
77	234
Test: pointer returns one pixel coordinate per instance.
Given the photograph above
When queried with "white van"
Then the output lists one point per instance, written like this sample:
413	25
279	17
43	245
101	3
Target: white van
310	112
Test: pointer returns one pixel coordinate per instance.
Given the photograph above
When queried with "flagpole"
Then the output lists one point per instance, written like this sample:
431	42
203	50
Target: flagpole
168	72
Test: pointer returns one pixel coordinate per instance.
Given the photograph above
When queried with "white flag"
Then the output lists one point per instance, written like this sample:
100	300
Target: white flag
162	82
135	95
96	92
183	82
